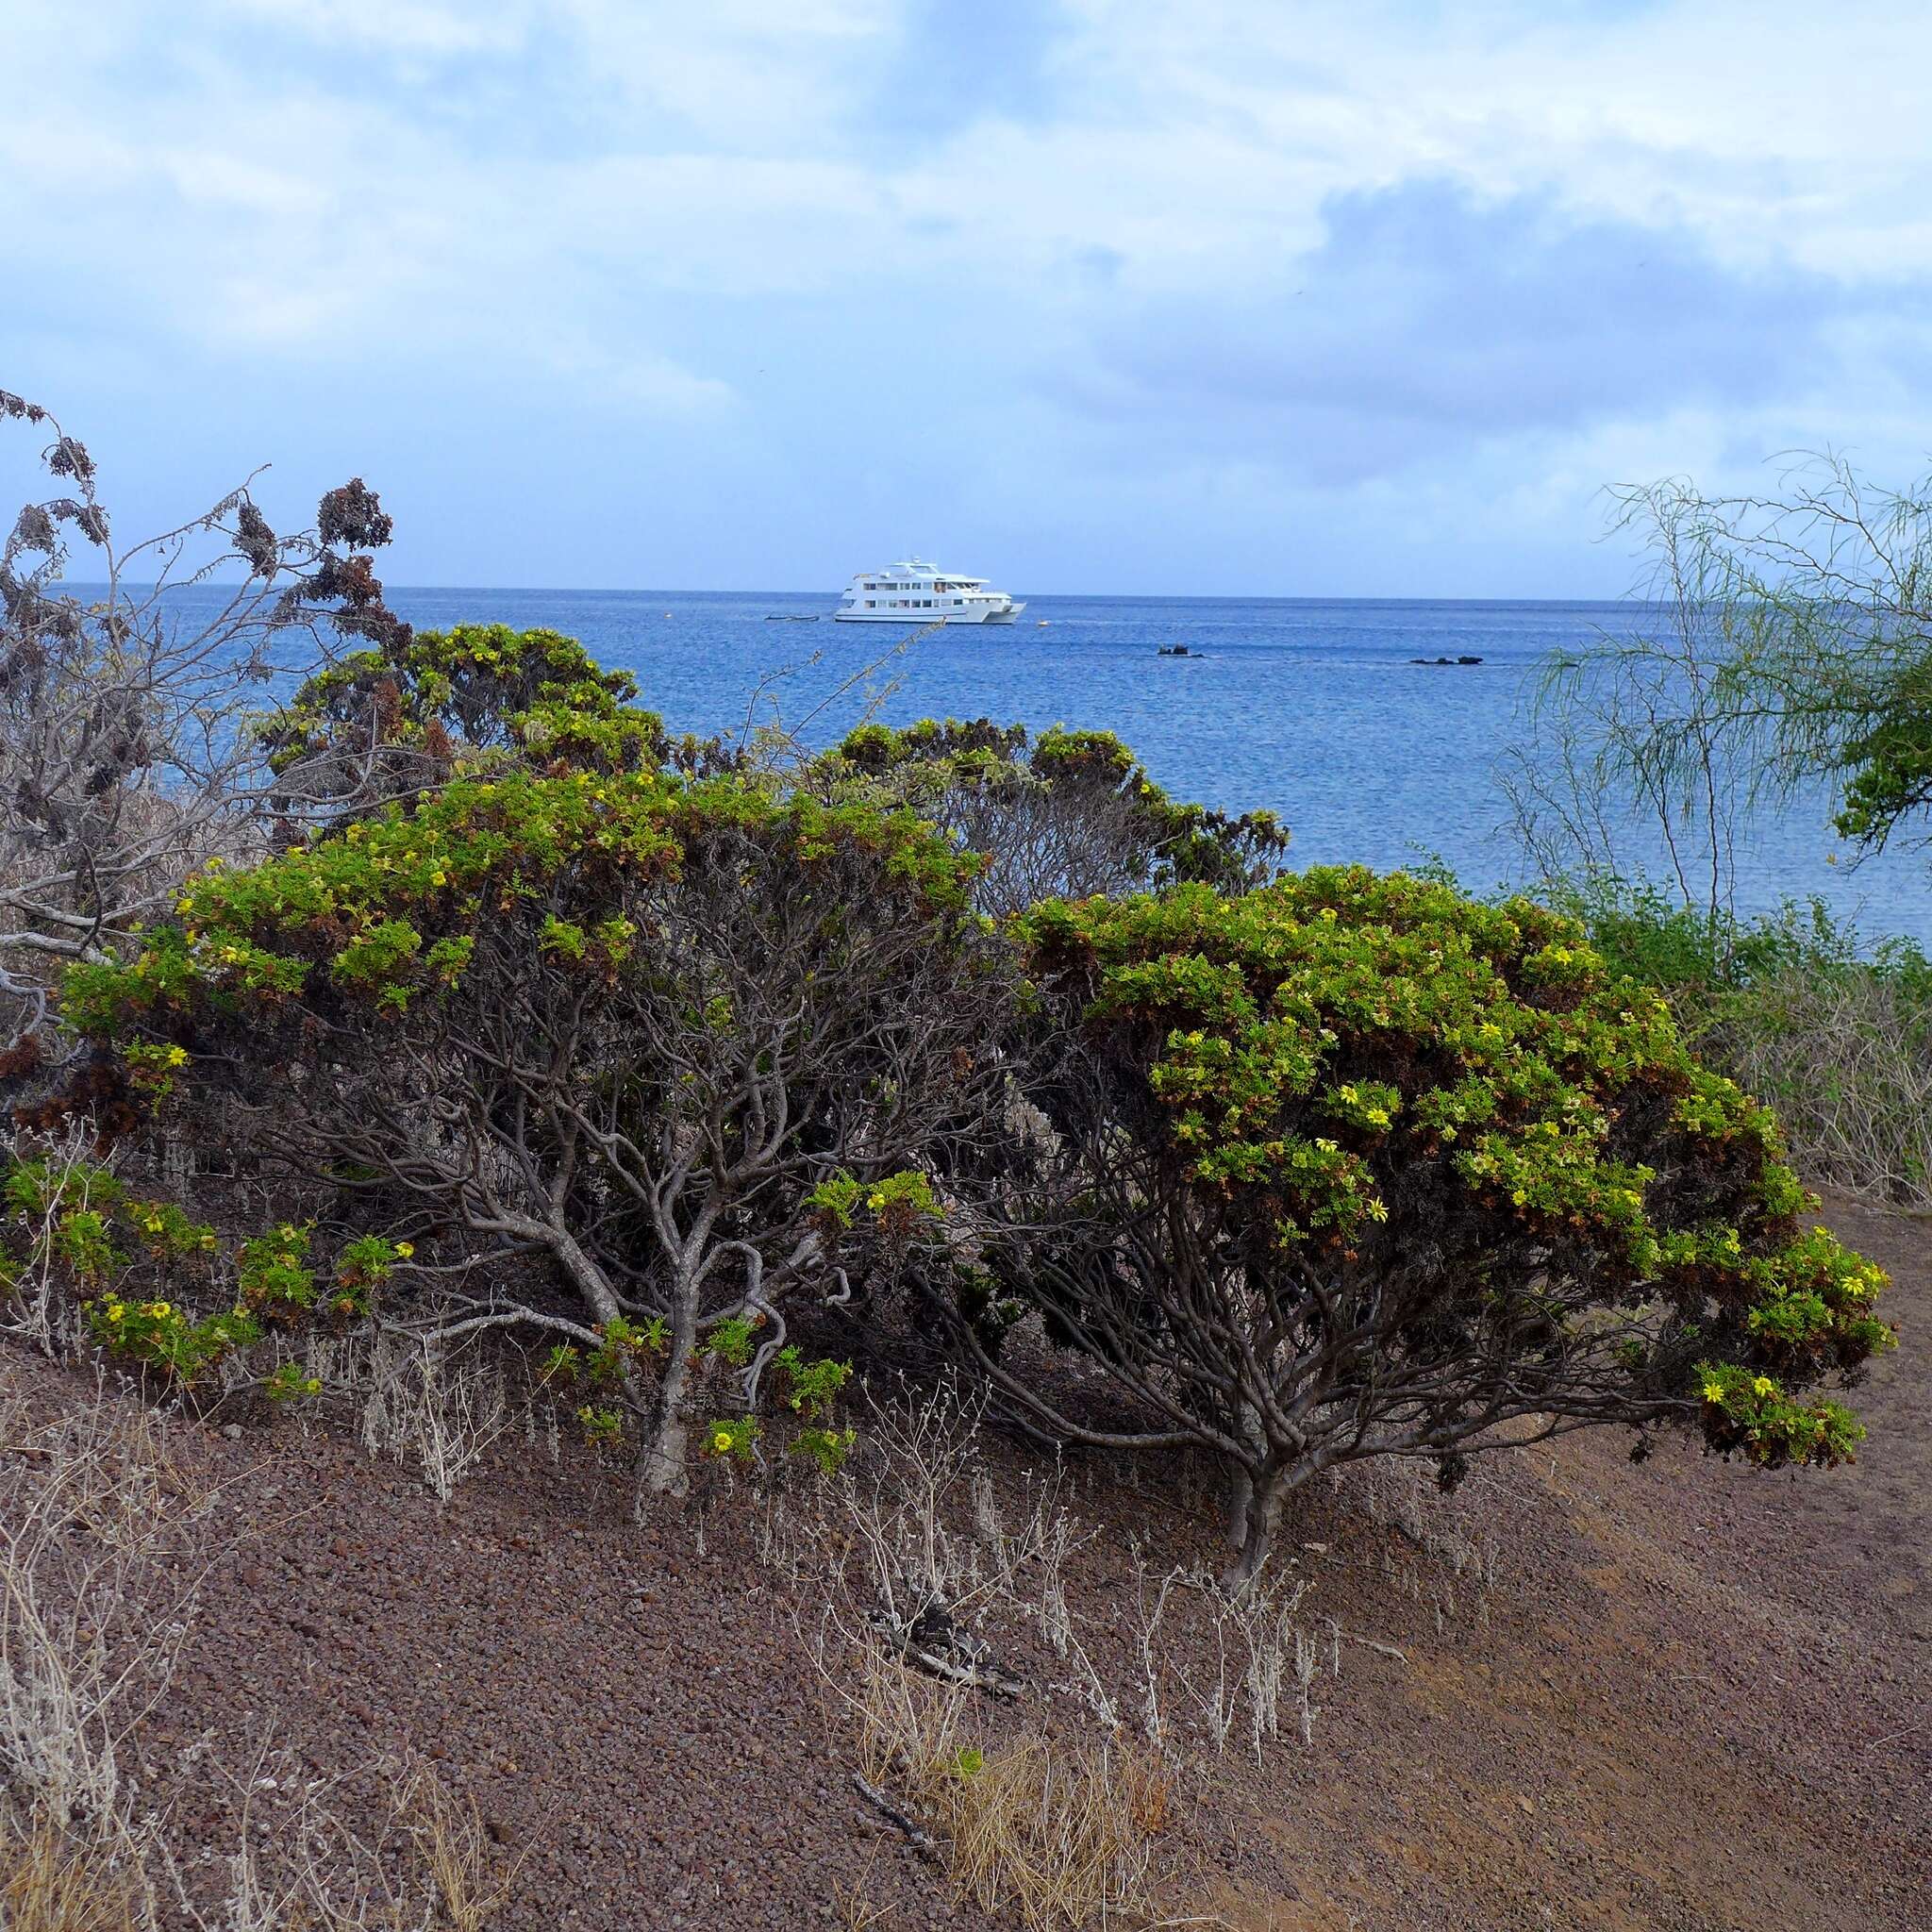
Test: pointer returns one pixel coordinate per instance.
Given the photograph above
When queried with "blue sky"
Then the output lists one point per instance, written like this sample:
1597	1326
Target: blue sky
1123	295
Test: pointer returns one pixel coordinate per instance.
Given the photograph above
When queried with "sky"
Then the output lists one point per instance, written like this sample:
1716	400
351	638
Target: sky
1228	297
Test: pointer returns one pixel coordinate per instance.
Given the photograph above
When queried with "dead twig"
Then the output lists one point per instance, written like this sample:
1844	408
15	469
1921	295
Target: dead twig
920	1842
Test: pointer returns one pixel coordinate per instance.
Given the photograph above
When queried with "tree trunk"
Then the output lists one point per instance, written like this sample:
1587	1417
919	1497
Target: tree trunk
663	1460
1253	1513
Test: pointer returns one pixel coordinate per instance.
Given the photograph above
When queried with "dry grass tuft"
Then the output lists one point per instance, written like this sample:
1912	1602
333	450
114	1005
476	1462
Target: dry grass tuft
101	1514
1064	1838
1061	1836
453	1849
52	1881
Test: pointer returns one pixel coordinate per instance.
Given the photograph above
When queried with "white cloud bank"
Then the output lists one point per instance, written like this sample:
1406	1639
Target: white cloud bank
1111	294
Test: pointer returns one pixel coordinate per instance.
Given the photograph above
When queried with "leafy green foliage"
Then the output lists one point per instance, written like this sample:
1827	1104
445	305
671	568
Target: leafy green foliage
734	1438
275	1282
1834	1032
577	974
361	1268
392	908
477	696
603	1427
1071	812
827	1448
1430	1162
811	1387
291	1382
168	1338
730	1339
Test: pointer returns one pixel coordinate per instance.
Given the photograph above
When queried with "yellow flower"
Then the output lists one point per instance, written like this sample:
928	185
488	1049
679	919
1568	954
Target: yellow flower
405	1249
1713	1392
159	1309
1763	1385
721	1441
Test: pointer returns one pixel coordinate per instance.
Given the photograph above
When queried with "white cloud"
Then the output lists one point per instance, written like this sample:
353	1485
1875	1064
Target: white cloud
771	212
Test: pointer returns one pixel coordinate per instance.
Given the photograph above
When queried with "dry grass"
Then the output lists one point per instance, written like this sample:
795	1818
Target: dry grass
53	1881
1846	1060
1061	1836
453	1851
420	1403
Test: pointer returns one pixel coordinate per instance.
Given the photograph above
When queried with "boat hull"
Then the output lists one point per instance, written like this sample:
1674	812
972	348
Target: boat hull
918	620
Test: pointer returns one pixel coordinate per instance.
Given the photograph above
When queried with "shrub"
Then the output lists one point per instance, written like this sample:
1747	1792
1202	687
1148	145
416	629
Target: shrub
625	1023
1356	1166
1069	813
1834	1033
418	707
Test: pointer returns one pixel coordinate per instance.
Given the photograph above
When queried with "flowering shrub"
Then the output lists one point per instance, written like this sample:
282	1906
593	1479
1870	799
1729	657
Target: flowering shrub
811	1387
734	1437
622	1017
828	1448
361	1268
167	1337
79	1217
77	1222
276	1283
291	1382
480	696
152	1067
1354	1165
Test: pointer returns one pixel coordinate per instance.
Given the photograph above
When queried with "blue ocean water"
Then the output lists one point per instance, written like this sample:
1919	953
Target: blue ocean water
1306	706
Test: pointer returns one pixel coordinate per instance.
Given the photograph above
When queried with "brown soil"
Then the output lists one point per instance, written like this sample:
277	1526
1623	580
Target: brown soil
1691	1696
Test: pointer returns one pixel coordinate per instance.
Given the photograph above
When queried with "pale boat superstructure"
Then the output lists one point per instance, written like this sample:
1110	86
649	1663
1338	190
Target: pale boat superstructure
915	592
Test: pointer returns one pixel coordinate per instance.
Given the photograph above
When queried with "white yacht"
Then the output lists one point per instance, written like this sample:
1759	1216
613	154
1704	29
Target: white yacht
914	593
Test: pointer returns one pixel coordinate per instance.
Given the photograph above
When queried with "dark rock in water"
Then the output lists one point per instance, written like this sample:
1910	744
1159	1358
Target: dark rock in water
1469	660
1446	661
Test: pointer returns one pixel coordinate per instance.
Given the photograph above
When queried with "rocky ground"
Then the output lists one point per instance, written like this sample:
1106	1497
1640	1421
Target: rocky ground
1582	1693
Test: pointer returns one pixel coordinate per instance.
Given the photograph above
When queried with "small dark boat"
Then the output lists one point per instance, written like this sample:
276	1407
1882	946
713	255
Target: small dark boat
1446	661
1178	651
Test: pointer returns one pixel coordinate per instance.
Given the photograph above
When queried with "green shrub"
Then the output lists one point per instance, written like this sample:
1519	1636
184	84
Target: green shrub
625	1021
1071	812
480	696
1836	1034
1354	1166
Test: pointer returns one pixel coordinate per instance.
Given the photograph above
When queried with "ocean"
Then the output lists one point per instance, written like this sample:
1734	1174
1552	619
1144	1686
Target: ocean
1309	707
